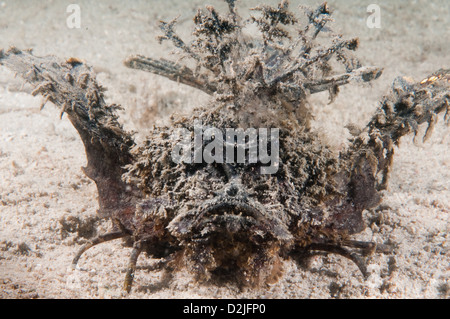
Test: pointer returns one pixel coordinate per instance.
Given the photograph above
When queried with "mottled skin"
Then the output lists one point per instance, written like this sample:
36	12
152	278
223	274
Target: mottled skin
229	221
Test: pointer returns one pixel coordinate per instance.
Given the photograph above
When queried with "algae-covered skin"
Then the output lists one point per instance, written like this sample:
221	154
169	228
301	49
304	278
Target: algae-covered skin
236	220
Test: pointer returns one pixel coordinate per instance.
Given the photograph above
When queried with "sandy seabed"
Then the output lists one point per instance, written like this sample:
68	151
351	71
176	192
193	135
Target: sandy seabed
48	207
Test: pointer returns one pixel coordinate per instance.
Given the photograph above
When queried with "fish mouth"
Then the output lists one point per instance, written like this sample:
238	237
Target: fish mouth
229	212
230	217
232	236
231	239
